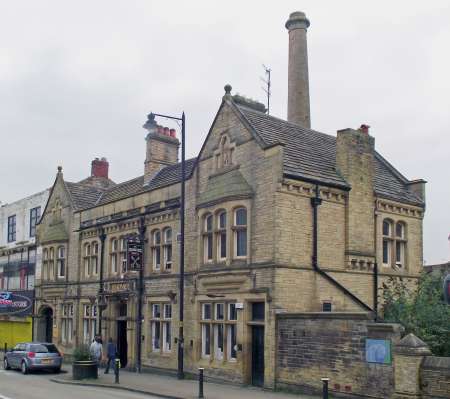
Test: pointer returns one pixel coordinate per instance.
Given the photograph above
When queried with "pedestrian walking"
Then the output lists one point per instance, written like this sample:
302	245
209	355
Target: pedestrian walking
111	351
96	350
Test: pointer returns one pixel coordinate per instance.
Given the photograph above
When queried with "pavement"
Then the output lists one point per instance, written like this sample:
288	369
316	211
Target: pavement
166	386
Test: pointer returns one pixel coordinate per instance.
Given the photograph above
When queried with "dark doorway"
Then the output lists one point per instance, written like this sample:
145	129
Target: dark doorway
46	325
122	344
258	356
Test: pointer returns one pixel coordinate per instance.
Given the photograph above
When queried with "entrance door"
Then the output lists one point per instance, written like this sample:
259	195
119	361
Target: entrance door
45	325
122	344
258	356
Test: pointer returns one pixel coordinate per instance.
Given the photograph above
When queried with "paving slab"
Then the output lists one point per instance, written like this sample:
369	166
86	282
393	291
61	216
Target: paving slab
166	386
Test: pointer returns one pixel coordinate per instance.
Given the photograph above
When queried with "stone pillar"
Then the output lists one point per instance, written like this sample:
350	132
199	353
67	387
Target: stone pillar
408	357
298	78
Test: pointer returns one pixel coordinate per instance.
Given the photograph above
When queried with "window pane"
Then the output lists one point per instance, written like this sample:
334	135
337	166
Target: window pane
168	235
167	339
386	228
241	217
206	313
208	223
156	311
167	311
208	246
206	339
157	238
223	245
241	243
156	333
231	342
220	311
258	310
218	341
399	230
386	252
223	220
232	313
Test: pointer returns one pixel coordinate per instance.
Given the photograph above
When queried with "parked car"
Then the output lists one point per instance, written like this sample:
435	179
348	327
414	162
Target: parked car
33	356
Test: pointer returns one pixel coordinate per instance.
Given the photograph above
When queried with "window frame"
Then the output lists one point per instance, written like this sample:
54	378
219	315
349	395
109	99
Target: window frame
35	215
238	229
12	228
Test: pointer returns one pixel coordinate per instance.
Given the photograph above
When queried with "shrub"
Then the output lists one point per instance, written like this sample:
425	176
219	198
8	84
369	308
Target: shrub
82	353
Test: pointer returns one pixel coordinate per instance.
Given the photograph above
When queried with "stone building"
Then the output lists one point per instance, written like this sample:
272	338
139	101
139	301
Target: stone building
279	219
18	258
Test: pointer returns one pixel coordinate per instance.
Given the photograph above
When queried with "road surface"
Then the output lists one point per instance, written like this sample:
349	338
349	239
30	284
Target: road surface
14	385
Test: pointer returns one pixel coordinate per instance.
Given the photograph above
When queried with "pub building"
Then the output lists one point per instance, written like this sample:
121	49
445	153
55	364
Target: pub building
279	219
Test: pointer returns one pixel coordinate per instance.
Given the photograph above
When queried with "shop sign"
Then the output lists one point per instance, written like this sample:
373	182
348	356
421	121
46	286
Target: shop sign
122	286
16	303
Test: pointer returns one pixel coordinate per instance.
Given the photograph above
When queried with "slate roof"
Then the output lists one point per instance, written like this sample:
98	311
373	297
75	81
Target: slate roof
312	155
85	196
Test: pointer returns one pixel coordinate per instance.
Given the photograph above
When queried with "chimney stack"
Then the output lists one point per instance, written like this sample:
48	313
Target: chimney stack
162	148
99	168
298	79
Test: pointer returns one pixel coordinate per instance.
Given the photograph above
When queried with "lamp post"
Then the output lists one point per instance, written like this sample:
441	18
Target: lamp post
182	212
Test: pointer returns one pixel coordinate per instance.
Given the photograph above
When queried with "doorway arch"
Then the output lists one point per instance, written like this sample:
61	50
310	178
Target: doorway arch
45	328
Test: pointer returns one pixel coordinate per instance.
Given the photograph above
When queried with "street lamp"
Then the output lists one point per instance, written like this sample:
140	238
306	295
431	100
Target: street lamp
182	212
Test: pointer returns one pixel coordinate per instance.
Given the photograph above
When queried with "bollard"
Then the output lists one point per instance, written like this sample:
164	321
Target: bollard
6	348
116	370
325	387
200	383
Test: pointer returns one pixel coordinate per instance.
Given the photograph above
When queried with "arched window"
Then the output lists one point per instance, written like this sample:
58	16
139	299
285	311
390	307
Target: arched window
168	248
87	260
240	232
51	264
114	247
208	238
61	262
400	244
123	254
387	242
221	235
394	239
156	249
94	258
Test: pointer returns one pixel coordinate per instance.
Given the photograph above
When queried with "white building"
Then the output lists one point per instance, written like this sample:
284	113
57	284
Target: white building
17	241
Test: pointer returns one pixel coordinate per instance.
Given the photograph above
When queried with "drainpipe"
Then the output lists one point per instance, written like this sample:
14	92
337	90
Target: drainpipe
140	291
316	201
101	305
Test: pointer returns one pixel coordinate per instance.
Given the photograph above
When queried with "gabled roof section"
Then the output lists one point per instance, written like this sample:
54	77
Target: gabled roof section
311	155
225	185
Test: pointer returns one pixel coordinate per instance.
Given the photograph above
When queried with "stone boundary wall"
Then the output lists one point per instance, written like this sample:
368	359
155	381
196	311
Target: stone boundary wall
315	345
435	377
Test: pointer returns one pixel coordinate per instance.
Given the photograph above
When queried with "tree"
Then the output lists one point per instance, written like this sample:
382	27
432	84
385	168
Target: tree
421	309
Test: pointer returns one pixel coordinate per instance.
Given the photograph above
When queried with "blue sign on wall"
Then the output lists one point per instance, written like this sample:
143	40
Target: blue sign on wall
378	351
16	303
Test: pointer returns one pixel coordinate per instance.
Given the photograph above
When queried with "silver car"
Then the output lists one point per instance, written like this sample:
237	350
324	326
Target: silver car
33	356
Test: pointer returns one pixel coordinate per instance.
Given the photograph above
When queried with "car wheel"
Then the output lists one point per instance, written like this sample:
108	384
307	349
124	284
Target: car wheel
6	365
24	368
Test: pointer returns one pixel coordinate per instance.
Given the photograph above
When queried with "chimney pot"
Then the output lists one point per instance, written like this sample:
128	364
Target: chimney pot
364	129
166	131
160	130
173	133
100	168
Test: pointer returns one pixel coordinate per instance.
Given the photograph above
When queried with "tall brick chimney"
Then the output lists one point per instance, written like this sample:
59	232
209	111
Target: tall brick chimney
298	79
99	168
355	162
162	148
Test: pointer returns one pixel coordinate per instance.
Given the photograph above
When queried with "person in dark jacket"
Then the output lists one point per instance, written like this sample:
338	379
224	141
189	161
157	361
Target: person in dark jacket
111	350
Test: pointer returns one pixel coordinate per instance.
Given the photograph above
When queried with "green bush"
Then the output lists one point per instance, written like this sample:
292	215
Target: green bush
82	353
420	309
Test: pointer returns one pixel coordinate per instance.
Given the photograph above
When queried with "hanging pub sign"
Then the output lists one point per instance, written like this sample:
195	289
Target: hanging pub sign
447	289
134	253
16	303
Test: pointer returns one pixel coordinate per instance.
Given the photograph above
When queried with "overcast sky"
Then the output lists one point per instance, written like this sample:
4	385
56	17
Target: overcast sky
77	79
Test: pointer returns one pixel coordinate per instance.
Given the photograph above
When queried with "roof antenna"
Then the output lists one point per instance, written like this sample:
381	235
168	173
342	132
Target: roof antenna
266	88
